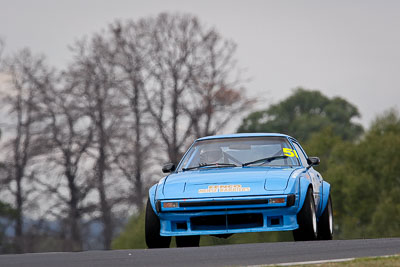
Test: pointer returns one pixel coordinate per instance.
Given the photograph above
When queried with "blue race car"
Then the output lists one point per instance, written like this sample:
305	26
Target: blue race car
239	183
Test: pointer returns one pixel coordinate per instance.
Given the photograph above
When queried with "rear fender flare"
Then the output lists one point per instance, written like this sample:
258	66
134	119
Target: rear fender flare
326	190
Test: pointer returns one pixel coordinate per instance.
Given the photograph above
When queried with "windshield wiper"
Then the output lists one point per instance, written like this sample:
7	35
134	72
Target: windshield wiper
218	165
269	159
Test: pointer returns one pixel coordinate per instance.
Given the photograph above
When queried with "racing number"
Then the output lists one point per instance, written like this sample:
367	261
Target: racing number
290	152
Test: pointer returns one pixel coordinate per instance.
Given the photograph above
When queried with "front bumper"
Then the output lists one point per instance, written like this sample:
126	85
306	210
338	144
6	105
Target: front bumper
234	215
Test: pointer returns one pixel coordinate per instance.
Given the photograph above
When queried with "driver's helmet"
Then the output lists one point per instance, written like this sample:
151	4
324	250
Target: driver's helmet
210	154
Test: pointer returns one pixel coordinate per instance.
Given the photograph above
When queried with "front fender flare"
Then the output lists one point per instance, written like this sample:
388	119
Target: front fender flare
304	185
152	196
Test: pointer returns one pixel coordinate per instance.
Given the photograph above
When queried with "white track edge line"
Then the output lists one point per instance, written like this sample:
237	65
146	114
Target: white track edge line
314	262
303	262
319	261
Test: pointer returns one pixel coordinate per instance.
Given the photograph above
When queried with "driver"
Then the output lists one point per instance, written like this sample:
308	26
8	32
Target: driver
211	155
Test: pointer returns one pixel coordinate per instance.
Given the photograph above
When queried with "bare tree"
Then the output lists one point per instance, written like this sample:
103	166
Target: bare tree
173	76
173	45
191	92
69	136
25	144
96	85
132	153
216	91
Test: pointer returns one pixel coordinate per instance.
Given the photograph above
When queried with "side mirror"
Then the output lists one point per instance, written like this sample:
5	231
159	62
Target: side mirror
313	161
168	167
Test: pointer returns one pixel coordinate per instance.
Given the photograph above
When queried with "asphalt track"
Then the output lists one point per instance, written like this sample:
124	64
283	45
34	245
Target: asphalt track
231	255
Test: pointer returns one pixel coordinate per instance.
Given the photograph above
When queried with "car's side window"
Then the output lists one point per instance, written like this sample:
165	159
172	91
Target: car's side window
300	152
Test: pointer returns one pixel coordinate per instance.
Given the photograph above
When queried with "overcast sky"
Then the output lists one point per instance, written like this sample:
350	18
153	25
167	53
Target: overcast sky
345	48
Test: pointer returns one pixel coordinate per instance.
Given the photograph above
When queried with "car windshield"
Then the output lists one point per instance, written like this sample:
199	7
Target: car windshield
243	151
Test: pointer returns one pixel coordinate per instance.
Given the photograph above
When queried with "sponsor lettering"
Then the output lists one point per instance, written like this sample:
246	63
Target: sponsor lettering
224	188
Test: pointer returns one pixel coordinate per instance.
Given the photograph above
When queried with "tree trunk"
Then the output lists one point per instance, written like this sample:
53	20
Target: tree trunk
74	215
104	207
19	215
138	151
101	168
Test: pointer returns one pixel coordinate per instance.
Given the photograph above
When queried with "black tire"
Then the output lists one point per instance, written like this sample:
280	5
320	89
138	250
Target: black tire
152	230
307	220
325	223
187	241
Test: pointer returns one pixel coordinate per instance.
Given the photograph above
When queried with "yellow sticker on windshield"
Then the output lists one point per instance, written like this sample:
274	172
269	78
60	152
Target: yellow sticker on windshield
224	188
289	152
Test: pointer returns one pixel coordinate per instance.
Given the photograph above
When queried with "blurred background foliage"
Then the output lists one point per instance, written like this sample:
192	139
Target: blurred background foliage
304	113
363	167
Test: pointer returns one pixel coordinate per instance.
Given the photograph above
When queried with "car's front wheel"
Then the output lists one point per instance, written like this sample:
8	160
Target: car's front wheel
307	220
152	230
325	223
187	241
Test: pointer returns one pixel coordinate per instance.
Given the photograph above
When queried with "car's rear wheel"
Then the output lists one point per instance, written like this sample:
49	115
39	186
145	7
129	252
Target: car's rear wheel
325	223
307	220
187	241
152	230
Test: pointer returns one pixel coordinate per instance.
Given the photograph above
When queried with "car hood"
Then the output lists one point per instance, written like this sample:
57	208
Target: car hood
225	182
